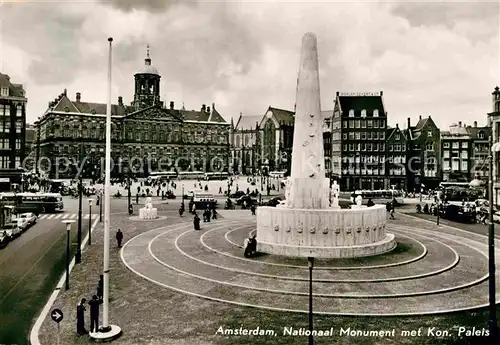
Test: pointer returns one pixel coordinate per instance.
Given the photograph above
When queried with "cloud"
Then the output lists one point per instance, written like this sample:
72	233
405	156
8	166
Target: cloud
439	58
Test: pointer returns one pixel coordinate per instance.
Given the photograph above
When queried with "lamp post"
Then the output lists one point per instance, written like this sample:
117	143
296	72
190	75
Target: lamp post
438	202
100	207
90	221
310	261
492	322
78	255
68	223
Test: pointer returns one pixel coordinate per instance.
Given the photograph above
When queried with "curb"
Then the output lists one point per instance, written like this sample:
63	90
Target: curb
34	333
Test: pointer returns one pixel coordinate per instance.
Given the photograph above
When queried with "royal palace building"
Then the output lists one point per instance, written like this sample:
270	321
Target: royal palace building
146	135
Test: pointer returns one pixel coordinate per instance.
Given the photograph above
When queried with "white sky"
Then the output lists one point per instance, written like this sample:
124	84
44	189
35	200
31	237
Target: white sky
428	57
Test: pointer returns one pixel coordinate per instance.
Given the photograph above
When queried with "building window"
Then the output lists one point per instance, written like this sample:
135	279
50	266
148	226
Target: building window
17	162
390	147
429	134
18	144
4	144
351	123
481	135
351	135
5	91
375	112
375	135
369	123
403	147
357	123
358	135
398	137
455	145
363	123
345	124
5	109
351	113
382	136
344	136
465	144
363	135
19	112
464	166
429	146
446	145
363	113
446	165
4	162
464	155
370	136
446	154
382	147
19	126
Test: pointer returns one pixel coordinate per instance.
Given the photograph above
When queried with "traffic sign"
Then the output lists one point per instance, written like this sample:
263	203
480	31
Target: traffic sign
57	315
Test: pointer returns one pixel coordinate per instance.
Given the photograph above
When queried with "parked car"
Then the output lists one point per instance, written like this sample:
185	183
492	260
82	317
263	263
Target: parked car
246	199
30	217
237	194
23	223
4	239
496	217
273	202
12	229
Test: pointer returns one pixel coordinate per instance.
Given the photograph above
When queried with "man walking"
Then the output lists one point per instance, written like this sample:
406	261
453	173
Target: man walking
119	238
94	314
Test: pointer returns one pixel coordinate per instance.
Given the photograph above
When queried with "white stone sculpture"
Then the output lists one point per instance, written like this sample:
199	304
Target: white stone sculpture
359	200
334	195
148	211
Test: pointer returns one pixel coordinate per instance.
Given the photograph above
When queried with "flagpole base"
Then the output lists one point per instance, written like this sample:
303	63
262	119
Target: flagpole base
107	334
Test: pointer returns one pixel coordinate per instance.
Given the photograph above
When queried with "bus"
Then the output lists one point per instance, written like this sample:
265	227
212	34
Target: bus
381	196
33	202
216	176
443	185
191	175
163	175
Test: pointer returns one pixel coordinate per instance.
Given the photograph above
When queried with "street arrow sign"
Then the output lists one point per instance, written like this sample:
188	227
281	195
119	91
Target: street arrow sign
56	315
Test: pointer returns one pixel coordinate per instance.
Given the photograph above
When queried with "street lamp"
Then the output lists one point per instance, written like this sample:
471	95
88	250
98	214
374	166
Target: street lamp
182	195
78	255
492	323
68	223
310	261
90	221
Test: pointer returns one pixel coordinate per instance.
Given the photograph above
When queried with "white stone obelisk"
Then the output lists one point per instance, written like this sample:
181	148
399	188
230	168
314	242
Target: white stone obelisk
309	188
107	332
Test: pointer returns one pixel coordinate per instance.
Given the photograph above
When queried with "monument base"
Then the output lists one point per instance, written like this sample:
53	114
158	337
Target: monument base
148	213
377	248
325	233
105	335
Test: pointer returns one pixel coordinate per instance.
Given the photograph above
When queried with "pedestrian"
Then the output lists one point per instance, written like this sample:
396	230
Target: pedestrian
137	198
252	209
214	213
391	212
100	287
196	221
94	314
80	317
119	238
220	190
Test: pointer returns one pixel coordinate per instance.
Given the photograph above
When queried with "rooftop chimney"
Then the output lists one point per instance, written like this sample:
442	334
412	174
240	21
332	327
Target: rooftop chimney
397	125
65	92
381	93
409	123
208	110
172	105
213	106
203	107
78	96
420	117
337	93
459	123
475	123
120	100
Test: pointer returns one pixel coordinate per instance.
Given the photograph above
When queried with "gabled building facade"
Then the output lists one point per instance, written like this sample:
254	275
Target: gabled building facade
245	138
494	123
146	136
424	151
479	151
456	148
396	155
13	103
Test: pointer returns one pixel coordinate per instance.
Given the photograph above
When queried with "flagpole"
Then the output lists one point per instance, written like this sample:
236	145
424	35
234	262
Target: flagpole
107	332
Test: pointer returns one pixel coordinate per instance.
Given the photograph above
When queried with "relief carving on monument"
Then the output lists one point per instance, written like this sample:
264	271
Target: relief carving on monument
276	228
325	231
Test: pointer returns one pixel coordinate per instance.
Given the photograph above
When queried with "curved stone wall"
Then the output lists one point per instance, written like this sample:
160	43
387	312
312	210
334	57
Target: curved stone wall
323	232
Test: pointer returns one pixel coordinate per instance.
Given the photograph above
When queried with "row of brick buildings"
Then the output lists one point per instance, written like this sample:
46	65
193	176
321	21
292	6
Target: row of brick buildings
362	151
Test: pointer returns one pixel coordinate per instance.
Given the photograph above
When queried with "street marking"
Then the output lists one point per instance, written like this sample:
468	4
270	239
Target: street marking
73	216
43	216
50	216
58	216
